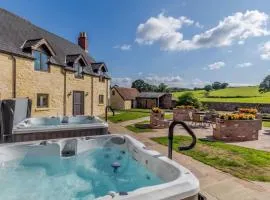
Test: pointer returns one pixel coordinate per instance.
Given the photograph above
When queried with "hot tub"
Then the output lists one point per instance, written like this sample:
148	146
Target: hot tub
104	167
43	128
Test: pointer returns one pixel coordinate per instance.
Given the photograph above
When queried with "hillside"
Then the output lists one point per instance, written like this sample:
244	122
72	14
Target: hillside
234	94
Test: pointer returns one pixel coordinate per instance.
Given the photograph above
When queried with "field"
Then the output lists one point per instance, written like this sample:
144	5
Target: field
241	162
233	94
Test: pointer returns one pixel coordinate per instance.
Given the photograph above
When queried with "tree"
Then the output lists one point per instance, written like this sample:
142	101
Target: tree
224	85
208	88
140	85
189	99
162	87
265	85
216	85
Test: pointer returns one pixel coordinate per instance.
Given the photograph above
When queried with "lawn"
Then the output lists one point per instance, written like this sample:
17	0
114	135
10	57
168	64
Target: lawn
168	116
232	94
140	127
266	123
125	115
241	162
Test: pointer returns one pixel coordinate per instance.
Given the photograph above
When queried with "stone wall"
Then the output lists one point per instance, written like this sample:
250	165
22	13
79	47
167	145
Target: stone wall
30	82
100	88
227	106
157	120
78	84
180	114
5	76
237	130
117	102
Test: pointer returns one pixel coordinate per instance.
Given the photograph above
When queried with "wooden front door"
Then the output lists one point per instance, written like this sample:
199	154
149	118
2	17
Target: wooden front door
78	103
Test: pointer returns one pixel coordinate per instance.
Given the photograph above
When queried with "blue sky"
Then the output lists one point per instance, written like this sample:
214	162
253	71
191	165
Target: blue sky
183	43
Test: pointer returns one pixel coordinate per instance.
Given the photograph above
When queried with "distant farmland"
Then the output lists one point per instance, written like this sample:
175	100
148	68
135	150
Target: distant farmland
234	94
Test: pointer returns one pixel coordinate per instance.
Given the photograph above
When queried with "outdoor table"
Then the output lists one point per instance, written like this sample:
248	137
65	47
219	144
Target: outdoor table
198	117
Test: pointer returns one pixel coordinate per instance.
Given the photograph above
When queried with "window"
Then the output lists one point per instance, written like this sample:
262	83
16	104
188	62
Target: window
101	99
113	92
41	61
42	100
79	70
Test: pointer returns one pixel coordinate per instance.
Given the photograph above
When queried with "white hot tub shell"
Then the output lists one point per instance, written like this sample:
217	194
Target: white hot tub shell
179	182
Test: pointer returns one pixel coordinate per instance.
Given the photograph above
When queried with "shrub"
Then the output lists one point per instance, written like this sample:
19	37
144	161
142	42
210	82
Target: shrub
237	117
188	99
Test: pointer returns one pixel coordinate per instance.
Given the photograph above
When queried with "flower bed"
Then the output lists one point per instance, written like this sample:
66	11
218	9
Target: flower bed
237	129
253	111
182	113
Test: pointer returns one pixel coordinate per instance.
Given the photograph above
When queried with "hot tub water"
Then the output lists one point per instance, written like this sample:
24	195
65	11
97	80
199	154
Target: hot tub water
84	176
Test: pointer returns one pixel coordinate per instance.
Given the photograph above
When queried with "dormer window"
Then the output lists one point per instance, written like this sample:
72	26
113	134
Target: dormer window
41	61
79	70
41	51
77	62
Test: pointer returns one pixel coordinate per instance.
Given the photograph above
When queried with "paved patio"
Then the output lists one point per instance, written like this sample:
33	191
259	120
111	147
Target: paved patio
214	183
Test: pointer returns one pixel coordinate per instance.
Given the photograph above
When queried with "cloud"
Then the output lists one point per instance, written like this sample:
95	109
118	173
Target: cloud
124	47
215	66
244	65
198	25
165	31
172	81
199	83
242	84
265	51
124	82
241	42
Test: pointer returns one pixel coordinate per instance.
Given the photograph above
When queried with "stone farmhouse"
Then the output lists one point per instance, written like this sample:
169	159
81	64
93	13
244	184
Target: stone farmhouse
60	77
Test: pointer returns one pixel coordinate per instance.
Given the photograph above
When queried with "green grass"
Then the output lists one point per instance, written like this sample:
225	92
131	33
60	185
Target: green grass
140	127
168	116
235	94
241	162
266	124
125	115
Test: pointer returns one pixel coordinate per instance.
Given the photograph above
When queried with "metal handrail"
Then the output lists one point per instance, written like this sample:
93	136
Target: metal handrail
106	112
170	137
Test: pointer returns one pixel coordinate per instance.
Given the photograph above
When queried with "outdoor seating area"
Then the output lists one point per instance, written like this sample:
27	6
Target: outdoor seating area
241	125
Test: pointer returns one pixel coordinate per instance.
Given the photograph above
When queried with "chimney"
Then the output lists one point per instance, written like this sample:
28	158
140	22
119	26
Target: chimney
83	41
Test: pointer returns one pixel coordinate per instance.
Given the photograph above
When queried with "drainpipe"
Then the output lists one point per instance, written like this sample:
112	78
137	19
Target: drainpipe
92	95
65	93
107	92
13	76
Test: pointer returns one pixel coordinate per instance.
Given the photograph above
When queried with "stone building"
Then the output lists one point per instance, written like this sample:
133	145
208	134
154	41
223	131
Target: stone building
60	77
123	98
154	99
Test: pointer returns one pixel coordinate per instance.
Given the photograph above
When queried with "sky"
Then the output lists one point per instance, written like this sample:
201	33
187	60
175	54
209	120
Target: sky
182	43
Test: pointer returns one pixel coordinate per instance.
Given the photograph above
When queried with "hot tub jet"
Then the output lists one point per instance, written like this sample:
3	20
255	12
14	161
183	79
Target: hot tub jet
115	166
